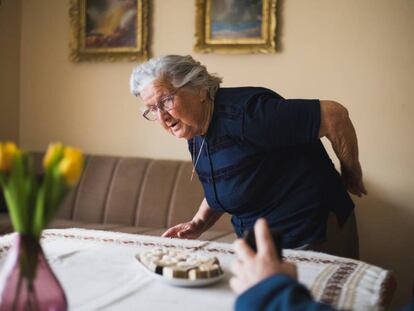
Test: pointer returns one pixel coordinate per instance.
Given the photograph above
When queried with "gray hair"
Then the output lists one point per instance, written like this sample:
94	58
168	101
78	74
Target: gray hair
178	70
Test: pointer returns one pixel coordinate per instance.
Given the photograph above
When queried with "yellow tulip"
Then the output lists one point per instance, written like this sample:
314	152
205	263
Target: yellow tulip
71	166
7	152
54	150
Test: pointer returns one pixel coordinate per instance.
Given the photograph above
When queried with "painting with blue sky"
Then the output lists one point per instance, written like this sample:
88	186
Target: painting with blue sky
236	19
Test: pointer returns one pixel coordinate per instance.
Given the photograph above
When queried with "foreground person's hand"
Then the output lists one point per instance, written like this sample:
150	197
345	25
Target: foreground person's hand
251	268
187	230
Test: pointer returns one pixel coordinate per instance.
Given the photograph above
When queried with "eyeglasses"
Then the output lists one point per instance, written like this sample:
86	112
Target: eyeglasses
165	104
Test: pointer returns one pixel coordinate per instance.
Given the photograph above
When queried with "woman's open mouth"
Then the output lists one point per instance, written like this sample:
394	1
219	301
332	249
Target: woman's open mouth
174	126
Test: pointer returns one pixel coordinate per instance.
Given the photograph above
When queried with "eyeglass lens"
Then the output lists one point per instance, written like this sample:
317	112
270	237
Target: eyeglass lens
165	104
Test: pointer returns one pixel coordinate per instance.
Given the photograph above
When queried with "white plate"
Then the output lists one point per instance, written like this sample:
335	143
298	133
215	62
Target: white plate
186	282
181	282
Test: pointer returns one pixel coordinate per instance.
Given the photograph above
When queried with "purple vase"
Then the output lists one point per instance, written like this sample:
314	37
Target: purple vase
27	282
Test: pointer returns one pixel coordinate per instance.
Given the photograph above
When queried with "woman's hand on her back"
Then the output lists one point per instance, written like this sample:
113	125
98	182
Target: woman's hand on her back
187	230
352	179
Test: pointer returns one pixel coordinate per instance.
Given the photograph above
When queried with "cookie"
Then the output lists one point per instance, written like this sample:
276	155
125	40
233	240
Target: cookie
180	264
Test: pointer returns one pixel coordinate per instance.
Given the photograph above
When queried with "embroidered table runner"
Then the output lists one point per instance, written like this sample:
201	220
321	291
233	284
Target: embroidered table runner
98	270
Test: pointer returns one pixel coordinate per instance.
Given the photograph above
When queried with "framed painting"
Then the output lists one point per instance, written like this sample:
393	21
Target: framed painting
235	26
109	30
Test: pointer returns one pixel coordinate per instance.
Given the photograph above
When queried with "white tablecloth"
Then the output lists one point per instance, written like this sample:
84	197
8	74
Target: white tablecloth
98	270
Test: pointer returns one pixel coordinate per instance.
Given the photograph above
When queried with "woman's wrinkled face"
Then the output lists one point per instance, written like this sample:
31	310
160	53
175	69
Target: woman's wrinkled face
185	119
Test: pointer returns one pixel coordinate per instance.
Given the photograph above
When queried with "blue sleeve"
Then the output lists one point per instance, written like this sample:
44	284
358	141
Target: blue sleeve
409	307
278	292
270	121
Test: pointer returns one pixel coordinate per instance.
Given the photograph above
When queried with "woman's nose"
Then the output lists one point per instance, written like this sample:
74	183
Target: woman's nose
163	115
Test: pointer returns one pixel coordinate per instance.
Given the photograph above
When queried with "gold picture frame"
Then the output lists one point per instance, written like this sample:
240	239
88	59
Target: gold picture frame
242	26
109	30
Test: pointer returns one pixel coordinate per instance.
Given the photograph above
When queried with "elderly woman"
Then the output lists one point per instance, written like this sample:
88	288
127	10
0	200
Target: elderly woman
257	154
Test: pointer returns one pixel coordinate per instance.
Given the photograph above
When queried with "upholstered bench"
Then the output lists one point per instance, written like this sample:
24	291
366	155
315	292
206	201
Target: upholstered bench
132	195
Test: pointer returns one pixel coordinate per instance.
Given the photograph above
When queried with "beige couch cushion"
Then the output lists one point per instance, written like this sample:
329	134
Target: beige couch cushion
134	195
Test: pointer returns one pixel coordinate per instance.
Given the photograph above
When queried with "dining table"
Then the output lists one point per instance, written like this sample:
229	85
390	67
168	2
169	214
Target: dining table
99	270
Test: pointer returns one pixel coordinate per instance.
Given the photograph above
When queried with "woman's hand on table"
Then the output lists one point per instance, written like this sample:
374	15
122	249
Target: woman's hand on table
188	230
204	219
250	268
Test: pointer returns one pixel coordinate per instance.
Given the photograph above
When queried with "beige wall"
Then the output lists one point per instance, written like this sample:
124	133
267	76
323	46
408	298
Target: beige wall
10	21
359	53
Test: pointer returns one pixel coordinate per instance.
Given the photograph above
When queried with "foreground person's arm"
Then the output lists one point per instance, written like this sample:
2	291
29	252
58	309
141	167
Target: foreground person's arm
337	127
265	282
278	292
202	221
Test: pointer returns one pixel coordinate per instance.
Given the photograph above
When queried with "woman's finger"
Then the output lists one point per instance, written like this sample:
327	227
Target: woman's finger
167	234
362	188
172	232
